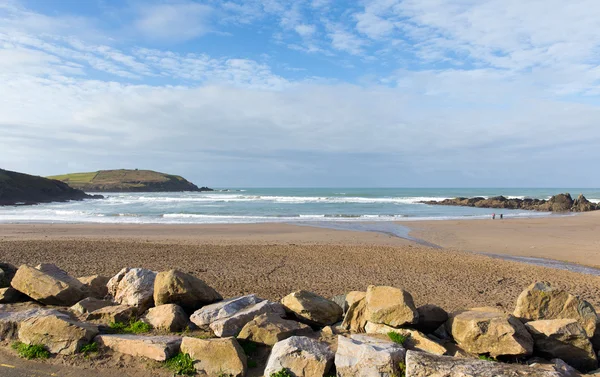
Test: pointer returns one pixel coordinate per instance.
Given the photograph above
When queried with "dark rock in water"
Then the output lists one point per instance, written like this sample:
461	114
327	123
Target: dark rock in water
557	203
22	189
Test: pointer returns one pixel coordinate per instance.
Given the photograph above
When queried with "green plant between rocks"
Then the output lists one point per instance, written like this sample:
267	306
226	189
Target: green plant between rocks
134	327
397	338
282	373
181	364
486	358
89	348
31	351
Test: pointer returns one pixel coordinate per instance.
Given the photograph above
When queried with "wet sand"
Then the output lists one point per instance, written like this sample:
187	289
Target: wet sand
273	260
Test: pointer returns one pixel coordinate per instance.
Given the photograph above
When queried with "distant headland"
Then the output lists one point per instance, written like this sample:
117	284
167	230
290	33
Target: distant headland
124	180
24	189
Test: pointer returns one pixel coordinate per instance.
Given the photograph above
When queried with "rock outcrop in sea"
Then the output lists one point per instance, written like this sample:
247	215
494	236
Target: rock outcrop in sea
377	332
557	203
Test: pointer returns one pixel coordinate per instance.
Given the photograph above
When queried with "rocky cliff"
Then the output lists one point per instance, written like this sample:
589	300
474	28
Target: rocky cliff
124	180
557	203
19	189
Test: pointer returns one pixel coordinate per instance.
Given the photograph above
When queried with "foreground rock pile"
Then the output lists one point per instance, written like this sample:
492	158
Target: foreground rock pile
378	332
557	203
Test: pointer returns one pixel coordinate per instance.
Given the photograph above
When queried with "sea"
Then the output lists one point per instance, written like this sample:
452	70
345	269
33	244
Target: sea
283	205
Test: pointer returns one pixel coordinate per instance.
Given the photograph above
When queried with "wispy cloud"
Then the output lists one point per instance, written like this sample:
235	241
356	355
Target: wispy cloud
173	21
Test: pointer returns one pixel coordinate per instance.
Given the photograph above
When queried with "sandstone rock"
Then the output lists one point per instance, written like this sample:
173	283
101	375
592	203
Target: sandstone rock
302	356
58	334
113	283
311	308
10	321
185	290
430	318
216	357
10	295
223	309
541	301
365	356
564	339
271	328
169	317
555	365
49	288
95	285
415	340
108	314
355	318
60	274
422	364
390	306
232	325
90	304
489	331
352	297
136	288
7	272
158	348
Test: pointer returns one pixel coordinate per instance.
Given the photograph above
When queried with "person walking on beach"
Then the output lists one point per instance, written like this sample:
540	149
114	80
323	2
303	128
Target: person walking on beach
493	216
501	216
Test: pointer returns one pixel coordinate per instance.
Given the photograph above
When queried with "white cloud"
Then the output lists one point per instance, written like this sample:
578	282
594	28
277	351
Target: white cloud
305	30
174	21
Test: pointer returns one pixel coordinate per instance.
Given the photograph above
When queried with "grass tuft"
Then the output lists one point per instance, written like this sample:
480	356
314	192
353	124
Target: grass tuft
397	338
282	373
31	351
486	358
181	364
134	327
89	348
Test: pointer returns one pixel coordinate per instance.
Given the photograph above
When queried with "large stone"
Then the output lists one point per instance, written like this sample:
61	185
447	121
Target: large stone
158	348
113	282
185	290
168	317
564	339
136	288
390	306
59	273
90	304
355	318
352	297
365	356
95	285
49	288
116	313
430	318
311	308
10	295
490	331
10	321
415	340
422	364
301	356
206	315
58	334
216	357
232	325
271	328
7	272
542	301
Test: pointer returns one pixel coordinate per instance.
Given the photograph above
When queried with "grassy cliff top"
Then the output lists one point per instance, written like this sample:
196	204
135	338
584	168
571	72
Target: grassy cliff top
126	180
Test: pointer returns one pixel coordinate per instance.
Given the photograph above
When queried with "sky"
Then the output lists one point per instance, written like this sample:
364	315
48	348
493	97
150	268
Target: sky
317	93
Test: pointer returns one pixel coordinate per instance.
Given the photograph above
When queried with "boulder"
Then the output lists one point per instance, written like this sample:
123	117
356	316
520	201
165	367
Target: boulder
581	204
355	318
542	301
90	304
558	203
116	313
270	328
564	339
555	365
113	283
312	309
95	285
49	288
232	325
136	288
10	295
59	273
301	356
158	348
341	301
7	272
58	334
422	364
185	290
216	357
352	297
490	331
168	317
365	356
390	306
10	321
430	318
415	340
206	315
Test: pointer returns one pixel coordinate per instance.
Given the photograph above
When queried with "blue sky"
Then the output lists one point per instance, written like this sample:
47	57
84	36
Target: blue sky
305	93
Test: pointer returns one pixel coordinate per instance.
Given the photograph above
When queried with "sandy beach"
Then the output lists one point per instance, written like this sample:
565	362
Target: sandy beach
275	259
